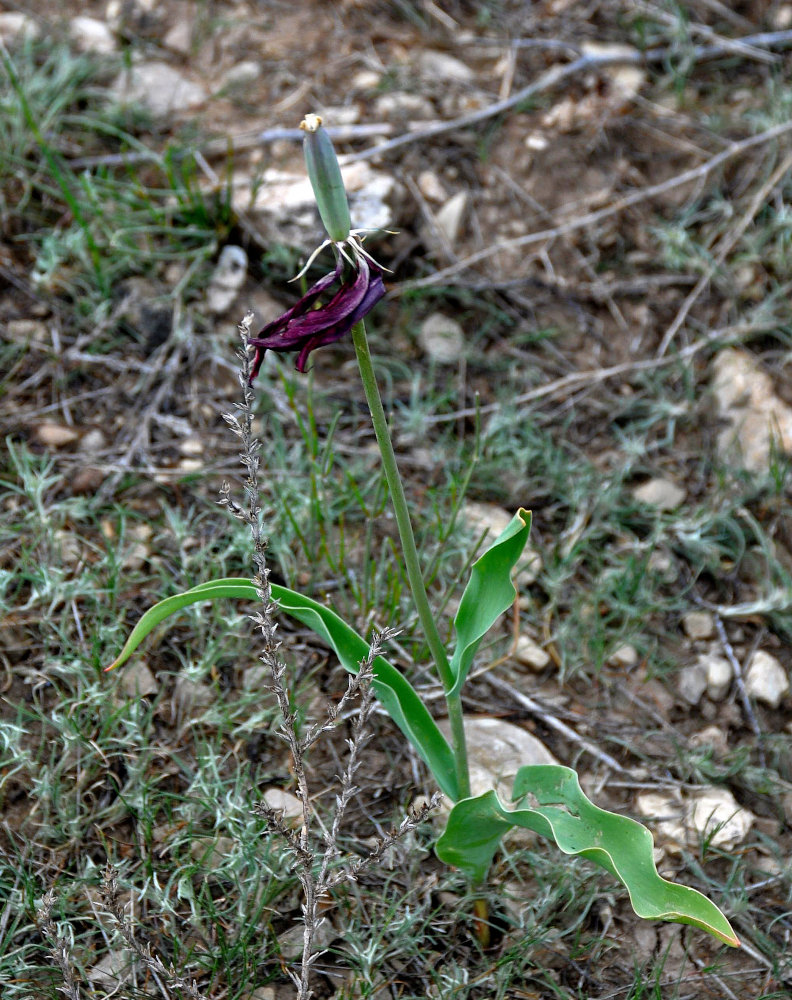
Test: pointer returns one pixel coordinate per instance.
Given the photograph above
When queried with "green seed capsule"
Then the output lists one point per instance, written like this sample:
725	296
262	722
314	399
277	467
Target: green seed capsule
326	181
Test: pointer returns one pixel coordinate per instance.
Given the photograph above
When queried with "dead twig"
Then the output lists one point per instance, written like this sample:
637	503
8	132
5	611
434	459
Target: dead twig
726	245
592	218
559	74
591	376
553	721
750	715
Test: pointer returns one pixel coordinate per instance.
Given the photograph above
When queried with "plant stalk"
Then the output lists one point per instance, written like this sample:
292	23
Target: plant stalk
410	552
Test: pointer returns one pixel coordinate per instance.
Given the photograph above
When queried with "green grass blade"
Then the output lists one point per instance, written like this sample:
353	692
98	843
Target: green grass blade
393	690
564	814
489	592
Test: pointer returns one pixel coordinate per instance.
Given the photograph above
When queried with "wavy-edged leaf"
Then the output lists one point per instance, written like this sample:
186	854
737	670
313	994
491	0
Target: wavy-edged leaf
564	814
489	592
397	696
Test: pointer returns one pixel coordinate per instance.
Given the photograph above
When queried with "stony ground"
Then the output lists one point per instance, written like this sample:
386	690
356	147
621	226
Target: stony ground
584	211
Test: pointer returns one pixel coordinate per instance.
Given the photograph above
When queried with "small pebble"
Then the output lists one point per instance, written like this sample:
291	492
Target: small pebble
692	683
530	654
698	625
660	493
766	680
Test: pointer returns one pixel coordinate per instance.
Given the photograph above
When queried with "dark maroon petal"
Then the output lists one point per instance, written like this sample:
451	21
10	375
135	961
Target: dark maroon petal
305	303
343	304
330	335
303	328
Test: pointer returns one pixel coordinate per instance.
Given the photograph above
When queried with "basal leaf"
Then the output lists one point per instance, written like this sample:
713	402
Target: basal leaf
393	690
489	592
562	813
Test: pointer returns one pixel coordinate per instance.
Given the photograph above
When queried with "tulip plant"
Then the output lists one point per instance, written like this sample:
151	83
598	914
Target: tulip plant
548	798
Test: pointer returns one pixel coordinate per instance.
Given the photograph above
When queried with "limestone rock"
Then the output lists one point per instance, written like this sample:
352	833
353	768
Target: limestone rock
719	675
624	656
450	216
693	683
290	942
441	67
698	625
766	680
227	279
660	493
531	654
708	813
431	187
496	751
442	338
137	680
288	805
53	435
755	416
159	87
15	26
91	35
285	206
401	105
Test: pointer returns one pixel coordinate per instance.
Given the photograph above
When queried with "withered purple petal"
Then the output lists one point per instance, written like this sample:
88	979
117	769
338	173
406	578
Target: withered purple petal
303	328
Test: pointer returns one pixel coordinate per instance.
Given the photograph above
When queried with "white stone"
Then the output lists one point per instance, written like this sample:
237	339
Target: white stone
290	942
288	805
708	813
710	736
179	37
92	442
55	435
530	653
91	35
692	683
660	493
766	680
137	679
365	80
698	624
713	814
719	675
442	338
399	104
624	656
15	26
440	67
496	751
626	79
227	279
242	73
285	202
191	446
113	970
158	87
490	520
756	417
431	187
450	216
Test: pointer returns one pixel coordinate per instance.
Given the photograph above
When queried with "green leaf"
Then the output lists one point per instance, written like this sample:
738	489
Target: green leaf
488	594
564	814
397	696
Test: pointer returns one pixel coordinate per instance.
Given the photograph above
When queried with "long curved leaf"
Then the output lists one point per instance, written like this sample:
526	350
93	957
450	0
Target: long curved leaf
394	691
489	592
564	814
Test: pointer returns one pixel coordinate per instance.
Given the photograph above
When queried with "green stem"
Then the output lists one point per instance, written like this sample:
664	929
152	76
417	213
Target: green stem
410	553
